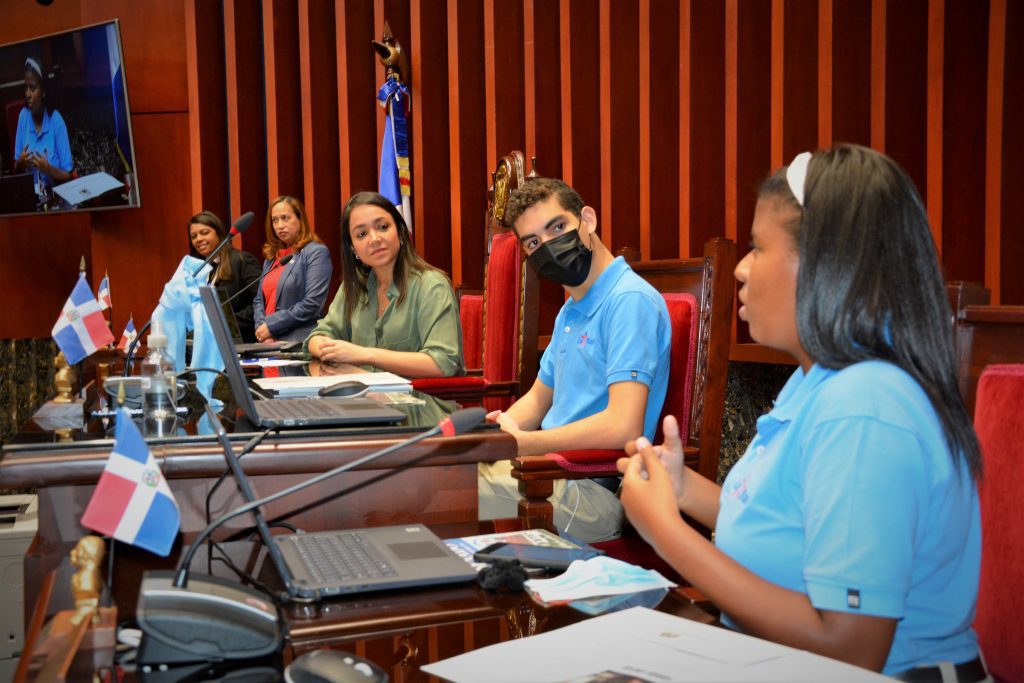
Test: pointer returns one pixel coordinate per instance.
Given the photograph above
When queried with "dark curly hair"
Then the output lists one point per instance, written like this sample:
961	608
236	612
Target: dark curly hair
537	190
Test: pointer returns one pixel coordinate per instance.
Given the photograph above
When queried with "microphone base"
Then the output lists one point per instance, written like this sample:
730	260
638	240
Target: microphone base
209	620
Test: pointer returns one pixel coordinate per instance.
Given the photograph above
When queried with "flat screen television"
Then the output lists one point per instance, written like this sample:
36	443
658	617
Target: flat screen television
66	140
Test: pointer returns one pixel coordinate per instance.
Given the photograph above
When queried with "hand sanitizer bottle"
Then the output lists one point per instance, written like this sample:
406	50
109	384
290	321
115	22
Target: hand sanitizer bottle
159	386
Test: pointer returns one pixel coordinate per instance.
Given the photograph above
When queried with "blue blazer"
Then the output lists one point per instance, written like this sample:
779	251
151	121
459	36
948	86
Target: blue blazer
301	294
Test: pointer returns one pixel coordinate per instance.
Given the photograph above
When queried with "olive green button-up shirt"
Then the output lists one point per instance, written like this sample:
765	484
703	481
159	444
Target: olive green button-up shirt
427	321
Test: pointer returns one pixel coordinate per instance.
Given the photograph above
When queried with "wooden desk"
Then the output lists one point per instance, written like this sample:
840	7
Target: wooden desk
434	482
986	335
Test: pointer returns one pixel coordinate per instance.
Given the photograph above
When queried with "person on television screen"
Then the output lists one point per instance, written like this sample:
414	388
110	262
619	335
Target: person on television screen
289	301
41	141
393	311
233	270
851	526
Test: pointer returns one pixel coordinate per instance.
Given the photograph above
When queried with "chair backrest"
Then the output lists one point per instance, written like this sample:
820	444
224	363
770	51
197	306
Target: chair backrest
986	335
510	313
999	422
471	315
700	362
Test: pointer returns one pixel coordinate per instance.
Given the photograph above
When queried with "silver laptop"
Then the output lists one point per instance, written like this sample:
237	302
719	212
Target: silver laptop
326	563
290	412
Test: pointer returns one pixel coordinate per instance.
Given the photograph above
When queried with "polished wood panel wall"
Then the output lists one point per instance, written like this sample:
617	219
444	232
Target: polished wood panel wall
665	114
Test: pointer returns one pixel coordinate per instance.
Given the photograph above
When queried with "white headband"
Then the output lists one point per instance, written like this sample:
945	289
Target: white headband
796	175
34	65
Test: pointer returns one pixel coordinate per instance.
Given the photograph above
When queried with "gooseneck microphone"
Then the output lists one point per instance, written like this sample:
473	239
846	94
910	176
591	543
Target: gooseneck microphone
459	422
240	226
285	260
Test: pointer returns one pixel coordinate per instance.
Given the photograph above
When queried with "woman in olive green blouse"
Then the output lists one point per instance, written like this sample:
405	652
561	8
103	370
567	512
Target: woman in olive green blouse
394	311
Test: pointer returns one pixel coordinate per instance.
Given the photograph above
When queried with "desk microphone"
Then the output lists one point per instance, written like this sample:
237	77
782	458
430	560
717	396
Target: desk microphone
459	422
240	226
285	260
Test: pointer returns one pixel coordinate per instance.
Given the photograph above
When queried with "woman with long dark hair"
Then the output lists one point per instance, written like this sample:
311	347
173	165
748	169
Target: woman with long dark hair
394	311
851	527
234	270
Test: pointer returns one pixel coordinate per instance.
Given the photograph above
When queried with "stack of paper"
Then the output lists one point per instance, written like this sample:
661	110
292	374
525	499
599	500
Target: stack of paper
308	386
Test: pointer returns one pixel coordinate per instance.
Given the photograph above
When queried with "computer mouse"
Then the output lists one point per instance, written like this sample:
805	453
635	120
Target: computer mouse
331	666
346	389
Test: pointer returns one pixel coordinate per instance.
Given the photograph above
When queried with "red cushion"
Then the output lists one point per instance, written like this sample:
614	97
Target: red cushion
471	313
682	314
501	311
441	385
999	422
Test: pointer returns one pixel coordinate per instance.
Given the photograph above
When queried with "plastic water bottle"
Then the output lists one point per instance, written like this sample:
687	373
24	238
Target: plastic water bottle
159	386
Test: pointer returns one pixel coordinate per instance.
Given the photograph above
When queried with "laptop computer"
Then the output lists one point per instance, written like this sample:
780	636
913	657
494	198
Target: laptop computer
325	563
290	412
18	193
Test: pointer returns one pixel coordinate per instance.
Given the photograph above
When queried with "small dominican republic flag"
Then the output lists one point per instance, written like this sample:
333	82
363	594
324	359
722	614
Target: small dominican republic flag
132	501
128	336
103	296
81	329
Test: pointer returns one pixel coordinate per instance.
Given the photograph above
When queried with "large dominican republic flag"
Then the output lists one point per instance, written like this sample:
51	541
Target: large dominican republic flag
132	501
394	180
81	329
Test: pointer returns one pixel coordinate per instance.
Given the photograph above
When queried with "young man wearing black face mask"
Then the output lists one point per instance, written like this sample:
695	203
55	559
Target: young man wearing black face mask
603	377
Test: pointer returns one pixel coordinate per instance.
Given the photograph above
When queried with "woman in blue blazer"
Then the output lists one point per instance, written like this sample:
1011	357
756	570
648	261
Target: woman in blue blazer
291	297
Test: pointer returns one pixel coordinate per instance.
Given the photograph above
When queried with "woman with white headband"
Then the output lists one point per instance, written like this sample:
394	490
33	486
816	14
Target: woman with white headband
850	527
41	142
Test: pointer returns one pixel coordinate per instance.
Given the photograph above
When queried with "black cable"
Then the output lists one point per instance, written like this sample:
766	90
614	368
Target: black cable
248	447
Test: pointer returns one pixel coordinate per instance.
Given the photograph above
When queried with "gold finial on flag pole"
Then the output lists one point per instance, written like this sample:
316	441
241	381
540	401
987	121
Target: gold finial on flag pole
81	264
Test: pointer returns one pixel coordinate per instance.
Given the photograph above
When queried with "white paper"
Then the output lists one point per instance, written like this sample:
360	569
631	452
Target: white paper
648	645
308	385
88	186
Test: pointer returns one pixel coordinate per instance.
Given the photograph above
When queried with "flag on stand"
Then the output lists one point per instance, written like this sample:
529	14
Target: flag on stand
81	329
132	501
128	336
103	296
395	182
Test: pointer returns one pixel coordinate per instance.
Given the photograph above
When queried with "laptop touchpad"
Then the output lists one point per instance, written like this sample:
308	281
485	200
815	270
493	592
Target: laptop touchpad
419	550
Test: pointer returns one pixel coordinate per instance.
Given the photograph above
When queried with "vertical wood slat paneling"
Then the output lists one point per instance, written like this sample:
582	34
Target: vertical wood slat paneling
559	95
993	147
207	120
1008	251
606	216
430	162
878	90
685	126
644	129
318	69
244	86
936	35
824	73
283	101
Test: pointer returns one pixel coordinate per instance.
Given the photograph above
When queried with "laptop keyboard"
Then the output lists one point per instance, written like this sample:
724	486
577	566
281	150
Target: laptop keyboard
341	556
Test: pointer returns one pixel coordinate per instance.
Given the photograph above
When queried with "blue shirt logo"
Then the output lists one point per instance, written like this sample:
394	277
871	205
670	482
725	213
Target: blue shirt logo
585	340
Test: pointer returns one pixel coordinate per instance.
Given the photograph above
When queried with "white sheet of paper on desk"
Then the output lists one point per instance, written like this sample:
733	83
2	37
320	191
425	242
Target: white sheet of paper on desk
307	385
647	645
87	187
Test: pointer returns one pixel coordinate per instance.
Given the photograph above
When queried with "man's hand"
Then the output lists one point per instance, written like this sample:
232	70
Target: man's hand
509	425
263	334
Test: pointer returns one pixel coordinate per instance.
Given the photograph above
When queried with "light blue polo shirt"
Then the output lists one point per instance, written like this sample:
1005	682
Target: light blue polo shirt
52	139
618	332
849	495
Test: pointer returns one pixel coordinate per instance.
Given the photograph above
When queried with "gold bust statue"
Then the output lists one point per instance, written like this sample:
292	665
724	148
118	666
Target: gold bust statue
64	379
86	584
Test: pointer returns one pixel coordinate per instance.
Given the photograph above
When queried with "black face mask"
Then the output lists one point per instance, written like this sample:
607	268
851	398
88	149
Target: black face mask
563	259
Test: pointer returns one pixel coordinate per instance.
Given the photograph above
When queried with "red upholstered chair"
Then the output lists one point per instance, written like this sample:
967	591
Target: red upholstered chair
509	310
471	313
699	294
999	421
